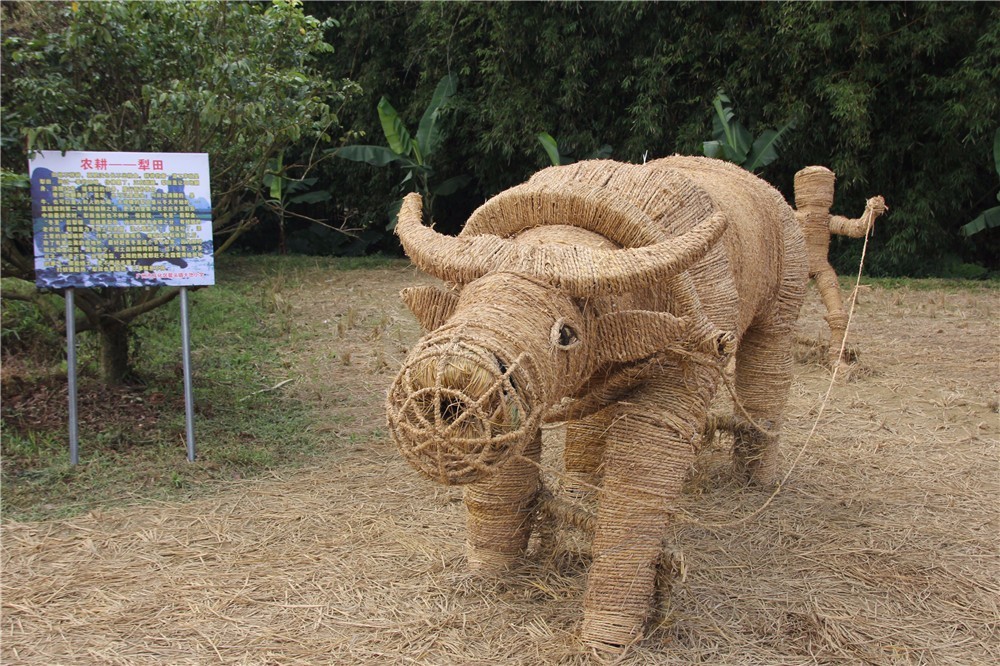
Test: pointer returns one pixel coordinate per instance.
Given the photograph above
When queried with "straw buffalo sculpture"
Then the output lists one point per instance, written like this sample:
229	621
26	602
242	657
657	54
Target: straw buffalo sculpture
608	296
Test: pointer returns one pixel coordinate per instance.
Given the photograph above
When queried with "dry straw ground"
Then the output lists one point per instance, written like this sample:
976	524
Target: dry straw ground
881	549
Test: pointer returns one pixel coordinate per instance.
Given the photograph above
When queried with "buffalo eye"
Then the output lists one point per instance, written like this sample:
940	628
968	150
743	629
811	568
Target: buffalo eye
564	336
567	336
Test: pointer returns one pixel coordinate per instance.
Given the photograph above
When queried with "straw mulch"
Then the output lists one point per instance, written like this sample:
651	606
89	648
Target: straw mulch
882	548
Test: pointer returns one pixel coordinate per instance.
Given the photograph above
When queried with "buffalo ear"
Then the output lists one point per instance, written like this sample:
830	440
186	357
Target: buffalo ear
431	306
632	335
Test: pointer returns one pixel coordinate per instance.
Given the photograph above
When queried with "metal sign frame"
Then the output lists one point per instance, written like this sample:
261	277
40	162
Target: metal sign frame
105	219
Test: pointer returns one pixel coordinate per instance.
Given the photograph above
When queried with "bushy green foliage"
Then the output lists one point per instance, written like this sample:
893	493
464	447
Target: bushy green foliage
898	99
235	80
29	322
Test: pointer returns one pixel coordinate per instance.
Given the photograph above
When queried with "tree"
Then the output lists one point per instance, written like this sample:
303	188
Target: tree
234	80
898	98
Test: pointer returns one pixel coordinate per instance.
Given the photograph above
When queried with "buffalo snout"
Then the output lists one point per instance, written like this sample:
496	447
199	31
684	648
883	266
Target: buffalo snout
457	412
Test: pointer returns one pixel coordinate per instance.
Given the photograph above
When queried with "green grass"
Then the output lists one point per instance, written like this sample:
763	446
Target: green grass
242	429
925	284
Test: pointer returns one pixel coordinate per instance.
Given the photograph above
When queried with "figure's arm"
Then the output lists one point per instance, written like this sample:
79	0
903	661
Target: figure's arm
843	226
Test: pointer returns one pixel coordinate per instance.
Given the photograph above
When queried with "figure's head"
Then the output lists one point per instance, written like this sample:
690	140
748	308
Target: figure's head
518	337
814	188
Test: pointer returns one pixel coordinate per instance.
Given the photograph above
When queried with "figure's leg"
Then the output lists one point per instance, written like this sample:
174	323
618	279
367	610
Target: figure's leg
650	450
500	512
836	317
584	452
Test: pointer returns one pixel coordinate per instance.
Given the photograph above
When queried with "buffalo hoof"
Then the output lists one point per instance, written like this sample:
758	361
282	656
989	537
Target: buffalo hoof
489	562
610	632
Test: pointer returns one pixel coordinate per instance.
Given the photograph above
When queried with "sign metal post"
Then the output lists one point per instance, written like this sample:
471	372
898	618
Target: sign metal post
74	441
188	396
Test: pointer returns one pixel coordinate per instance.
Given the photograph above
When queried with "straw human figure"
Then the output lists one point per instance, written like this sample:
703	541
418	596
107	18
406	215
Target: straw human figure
814	188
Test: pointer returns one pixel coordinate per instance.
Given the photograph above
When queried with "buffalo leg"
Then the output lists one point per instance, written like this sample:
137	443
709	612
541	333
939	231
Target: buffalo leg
763	377
584	452
650	451
500	512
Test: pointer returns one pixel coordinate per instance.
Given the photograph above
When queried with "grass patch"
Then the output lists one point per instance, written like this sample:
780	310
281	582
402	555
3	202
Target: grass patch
132	439
925	284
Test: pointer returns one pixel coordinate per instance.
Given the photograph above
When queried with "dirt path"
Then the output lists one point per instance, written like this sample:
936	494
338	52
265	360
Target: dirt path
882	548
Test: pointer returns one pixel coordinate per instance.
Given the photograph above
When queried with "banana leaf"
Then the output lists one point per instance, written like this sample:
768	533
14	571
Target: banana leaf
551	148
428	132
989	219
764	150
379	156
395	131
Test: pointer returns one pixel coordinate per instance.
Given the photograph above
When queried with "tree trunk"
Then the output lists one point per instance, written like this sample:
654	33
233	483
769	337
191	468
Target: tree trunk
115	367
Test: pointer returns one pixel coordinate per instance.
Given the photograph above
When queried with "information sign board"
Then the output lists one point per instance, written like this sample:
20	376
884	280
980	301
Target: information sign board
106	219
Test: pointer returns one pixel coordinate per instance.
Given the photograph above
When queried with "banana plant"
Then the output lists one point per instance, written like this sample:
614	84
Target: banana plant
284	191
731	141
414	154
990	218
560	157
